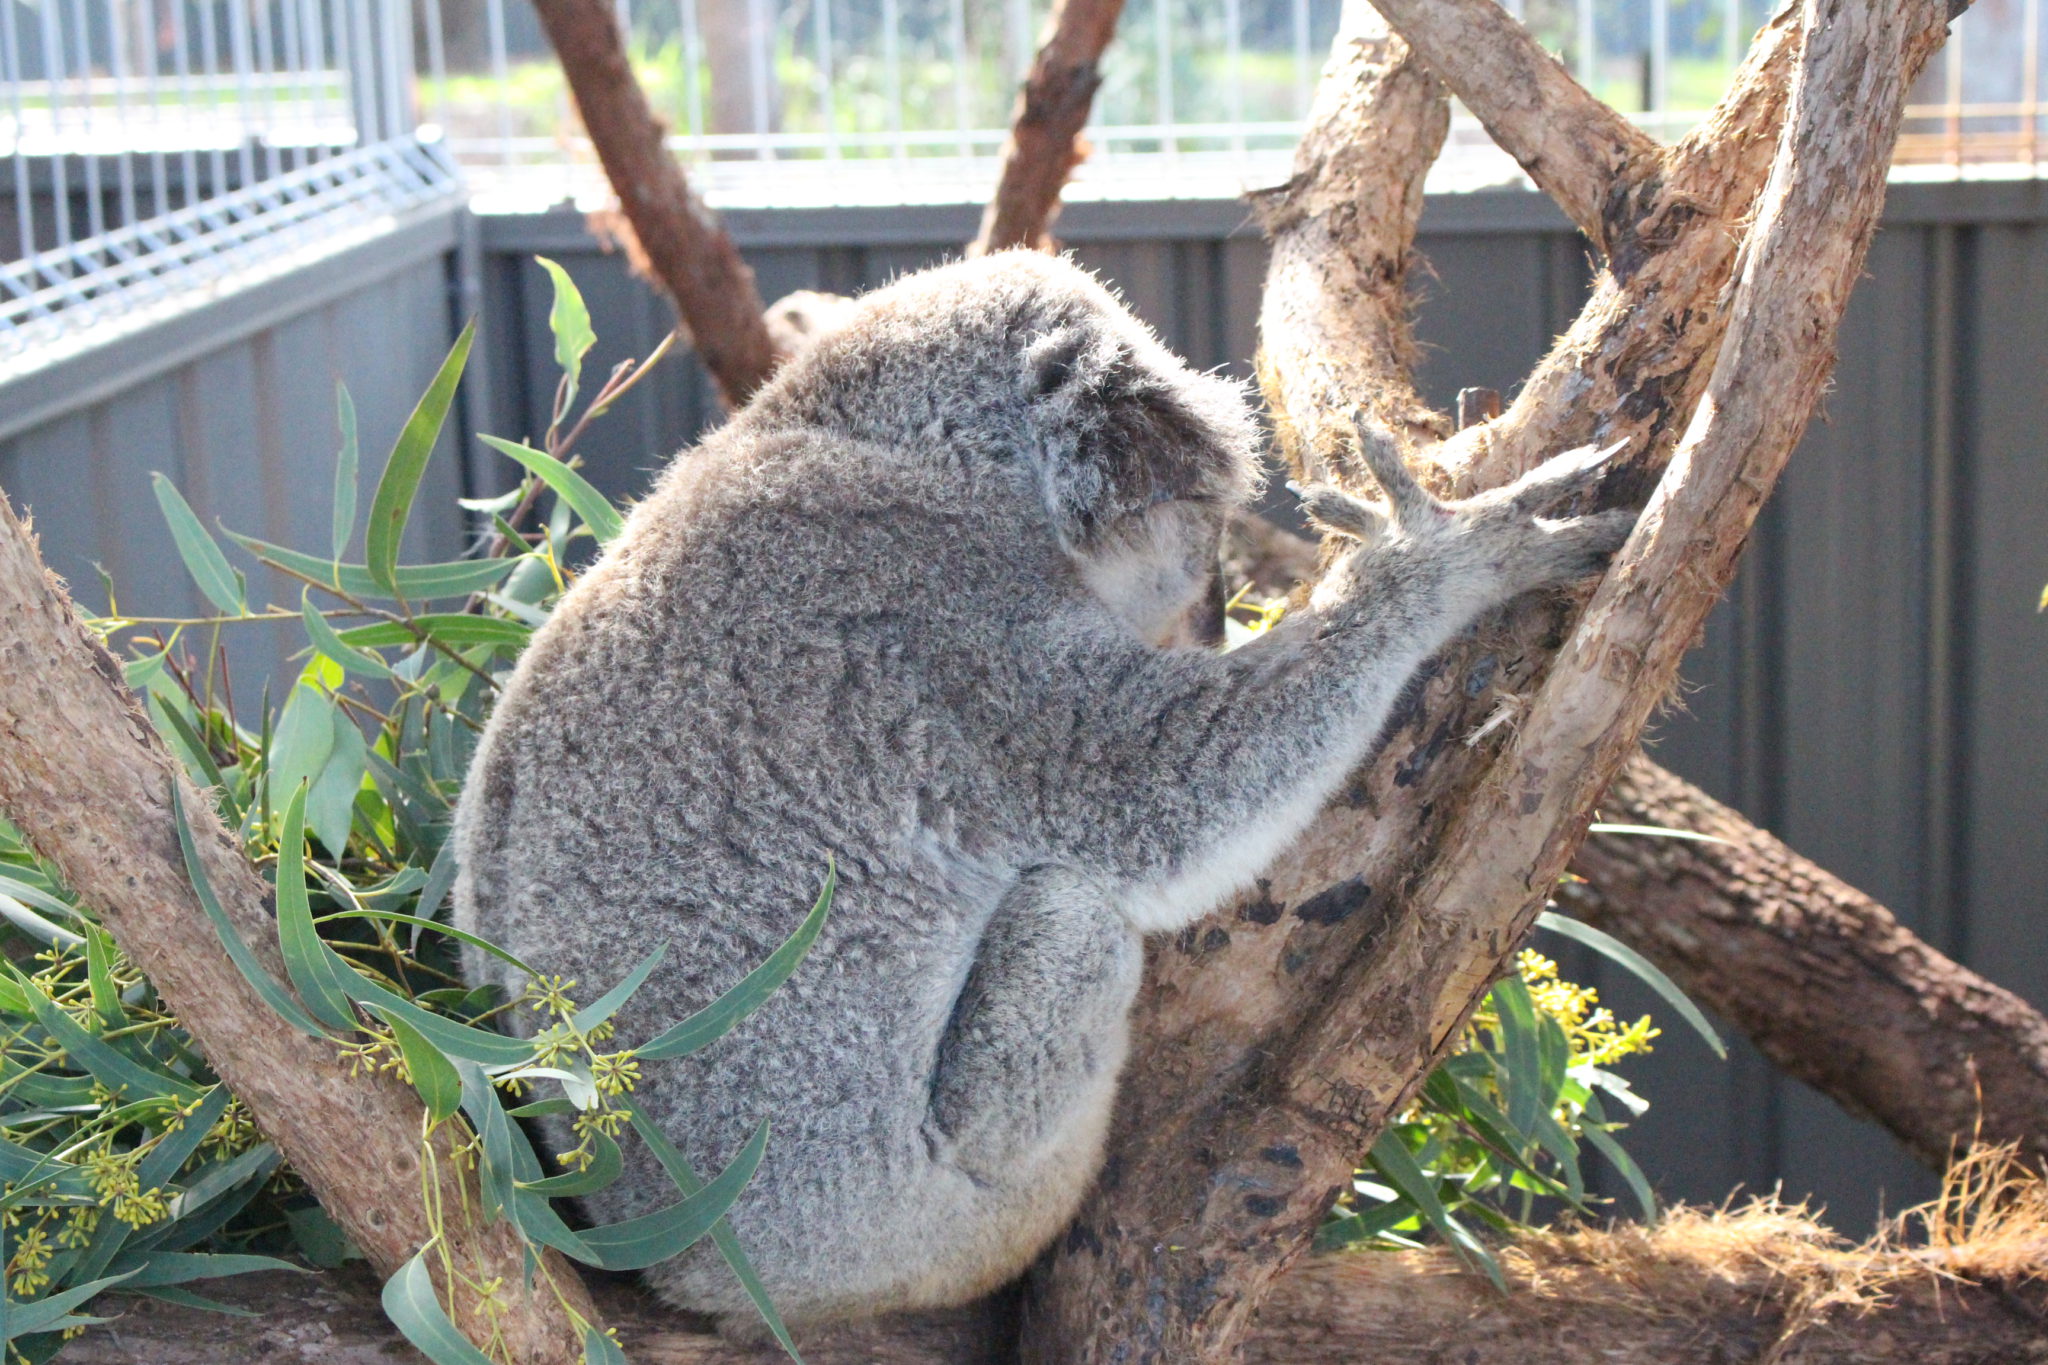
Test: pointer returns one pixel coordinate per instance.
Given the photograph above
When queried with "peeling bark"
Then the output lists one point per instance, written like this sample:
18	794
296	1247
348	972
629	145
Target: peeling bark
85	778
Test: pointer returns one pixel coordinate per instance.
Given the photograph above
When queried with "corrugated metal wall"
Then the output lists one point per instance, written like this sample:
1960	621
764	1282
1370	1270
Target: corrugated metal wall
1873	690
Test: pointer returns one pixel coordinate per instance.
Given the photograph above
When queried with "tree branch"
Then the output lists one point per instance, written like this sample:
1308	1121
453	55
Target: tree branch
1045	144
670	235
1758	1284
1824	980
85	778
1579	151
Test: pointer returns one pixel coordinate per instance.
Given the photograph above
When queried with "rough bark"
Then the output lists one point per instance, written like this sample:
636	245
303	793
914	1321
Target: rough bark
1709	1290
1045	143
84	777
1580	152
1276	1037
669	233
1823	979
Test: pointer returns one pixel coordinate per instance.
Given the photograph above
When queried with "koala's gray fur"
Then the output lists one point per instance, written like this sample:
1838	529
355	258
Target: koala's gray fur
906	610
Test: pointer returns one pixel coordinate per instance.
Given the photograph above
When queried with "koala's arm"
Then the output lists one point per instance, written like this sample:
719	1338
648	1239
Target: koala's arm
1180	775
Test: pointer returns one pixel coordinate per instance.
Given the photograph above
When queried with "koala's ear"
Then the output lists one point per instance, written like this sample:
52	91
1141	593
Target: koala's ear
1061	359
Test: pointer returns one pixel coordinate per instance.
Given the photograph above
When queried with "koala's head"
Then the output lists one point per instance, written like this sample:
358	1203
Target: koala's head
1025	361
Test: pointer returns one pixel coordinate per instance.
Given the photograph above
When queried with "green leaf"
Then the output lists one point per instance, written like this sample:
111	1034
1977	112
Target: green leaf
163	1161
43	1315
172	725
23	890
200	551
1392	1159
99	975
722	1235
569	320
414	582
1644	970
261	981
599	1349
433	1075
332	646
606	1005
318	1237
345	480
186	1299
604	1168
1517	1011
182	1267
410	1304
450	628
593	507
400	482
653	1238
23	918
1604	1143
303	740
331	801
314	970
460	936
112	1069
719	1017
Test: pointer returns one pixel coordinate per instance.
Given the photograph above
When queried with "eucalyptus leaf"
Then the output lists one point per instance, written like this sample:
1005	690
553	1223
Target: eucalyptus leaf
593	507
653	1238
569	320
200	551
345	477
410	1304
412	582
719	1017
433	1075
391	505
1644	970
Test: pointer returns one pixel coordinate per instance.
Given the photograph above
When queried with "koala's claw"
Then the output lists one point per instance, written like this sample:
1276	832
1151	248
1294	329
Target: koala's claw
1337	512
1413	505
1561	479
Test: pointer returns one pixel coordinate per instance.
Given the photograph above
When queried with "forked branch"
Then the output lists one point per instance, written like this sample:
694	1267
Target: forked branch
1576	148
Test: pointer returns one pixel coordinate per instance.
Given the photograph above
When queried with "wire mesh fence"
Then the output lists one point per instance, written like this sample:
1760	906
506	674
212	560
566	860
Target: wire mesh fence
160	150
161	146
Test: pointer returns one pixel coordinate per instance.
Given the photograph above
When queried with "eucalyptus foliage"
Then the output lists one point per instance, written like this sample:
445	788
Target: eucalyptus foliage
120	1152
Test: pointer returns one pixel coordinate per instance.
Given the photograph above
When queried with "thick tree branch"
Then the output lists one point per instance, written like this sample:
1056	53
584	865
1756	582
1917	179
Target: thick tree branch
84	777
672	236
1579	151
1277	1037
1633	364
1756	1285
1823	979
1333	321
1045	144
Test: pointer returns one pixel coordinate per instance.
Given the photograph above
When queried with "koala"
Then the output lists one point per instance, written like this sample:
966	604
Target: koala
920	608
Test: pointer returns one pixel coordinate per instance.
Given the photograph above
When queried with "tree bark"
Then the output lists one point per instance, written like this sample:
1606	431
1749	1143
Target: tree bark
1276	1038
84	777
1045	144
670	235
1700	1291
1824	980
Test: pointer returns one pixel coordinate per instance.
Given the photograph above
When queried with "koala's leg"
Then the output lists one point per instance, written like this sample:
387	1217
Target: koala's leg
1030	1056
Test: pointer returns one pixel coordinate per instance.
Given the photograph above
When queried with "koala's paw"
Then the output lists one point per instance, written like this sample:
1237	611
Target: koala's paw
1509	540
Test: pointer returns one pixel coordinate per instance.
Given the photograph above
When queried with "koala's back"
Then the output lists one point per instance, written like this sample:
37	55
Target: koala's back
794	650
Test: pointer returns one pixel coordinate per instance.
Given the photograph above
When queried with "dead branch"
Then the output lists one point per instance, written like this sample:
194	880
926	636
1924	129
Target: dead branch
1824	980
1045	143
1580	152
1763	1283
670	235
1278	1036
85	778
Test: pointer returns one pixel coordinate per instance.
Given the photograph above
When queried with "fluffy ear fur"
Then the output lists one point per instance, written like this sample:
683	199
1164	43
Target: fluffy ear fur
1122	426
